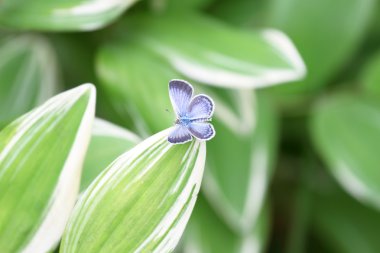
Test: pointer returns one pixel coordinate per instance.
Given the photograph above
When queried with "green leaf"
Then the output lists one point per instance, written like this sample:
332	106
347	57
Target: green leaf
72	15
370	76
234	108
343	224
108	141
141	202
236	182
27	75
205	50
346	132
325	32
206	233
41	157
122	68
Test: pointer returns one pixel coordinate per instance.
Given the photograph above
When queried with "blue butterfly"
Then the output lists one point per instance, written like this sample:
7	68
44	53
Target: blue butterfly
193	113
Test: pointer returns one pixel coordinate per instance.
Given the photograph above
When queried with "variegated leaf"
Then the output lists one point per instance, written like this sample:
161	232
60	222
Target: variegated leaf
213	53
108	141
41	156
236	184
122	68
72	15
346	132
141	202
28	75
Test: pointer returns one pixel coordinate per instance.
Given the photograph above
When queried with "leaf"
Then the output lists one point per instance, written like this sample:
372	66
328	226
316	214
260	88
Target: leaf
28	75
370	75
122	68
325	32
346	132
204	50
72	15
236	182
108	141
207	233
141	202
41	157
343	224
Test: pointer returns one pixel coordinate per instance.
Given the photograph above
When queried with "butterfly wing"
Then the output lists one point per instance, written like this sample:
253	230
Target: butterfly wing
180	134
180	93
201	107
202	130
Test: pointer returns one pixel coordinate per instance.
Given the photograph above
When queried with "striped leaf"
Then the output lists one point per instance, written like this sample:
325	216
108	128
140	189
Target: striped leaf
41	157
108	141
213	53
27	75
72	15
141	202
122	66
236	184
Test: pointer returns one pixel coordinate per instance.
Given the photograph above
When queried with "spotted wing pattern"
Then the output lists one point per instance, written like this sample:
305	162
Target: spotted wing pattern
180	93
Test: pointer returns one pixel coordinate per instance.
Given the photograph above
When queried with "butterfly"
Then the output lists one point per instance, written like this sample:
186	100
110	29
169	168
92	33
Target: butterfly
193	113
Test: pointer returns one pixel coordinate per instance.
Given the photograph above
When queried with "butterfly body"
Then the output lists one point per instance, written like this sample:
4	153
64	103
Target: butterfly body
193	114
186	121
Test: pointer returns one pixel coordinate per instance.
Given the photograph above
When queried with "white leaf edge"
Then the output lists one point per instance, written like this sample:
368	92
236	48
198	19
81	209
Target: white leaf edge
250	242
229	79
103	127
349	178
354	184
173	236
243	122
48	64
65	194
255	198
93	8
43	54
175	233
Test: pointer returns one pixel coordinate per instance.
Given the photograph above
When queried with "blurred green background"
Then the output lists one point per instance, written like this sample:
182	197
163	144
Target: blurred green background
295	164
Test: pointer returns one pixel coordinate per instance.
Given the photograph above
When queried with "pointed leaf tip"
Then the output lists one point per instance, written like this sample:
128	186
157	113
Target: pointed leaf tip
157	177
41	156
